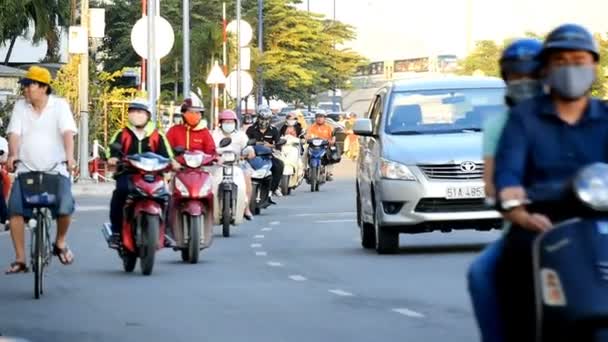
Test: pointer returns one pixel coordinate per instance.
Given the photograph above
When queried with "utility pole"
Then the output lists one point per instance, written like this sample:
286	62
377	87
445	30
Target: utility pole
84	96
261	46
152	60
333	98
238	58
310	91
186	30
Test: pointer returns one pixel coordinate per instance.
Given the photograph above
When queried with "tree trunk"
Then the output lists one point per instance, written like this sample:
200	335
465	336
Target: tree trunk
10	50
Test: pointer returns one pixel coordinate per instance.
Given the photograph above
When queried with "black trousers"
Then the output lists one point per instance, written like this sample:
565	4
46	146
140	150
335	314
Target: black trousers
277	173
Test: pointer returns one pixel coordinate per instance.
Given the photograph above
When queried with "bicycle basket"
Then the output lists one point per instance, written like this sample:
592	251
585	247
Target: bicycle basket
39	188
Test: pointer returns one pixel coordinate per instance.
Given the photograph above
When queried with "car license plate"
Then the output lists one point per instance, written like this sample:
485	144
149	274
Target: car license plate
465	192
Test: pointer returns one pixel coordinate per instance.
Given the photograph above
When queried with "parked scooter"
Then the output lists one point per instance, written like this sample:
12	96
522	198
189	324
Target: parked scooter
192	204
230	189
143	228
571	259
317	171
291	155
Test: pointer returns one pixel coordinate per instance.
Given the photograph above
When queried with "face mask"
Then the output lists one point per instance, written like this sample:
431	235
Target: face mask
192	119
291	122
264	123
518	91
571	82
228	127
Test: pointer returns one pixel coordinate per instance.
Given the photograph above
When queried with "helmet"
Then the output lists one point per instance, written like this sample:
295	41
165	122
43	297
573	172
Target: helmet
570	37
227	115
320	114
521	57
188	106
264	110
248	119
139	104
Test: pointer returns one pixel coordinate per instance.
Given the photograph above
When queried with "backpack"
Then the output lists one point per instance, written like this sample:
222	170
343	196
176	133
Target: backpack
126	139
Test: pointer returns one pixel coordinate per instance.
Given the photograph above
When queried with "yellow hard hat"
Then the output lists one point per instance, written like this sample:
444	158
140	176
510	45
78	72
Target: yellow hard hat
36	74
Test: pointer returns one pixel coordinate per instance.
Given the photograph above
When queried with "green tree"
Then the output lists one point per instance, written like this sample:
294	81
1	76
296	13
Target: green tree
484	58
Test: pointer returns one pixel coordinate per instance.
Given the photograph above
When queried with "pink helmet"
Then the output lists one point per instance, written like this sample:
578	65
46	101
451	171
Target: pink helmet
227	115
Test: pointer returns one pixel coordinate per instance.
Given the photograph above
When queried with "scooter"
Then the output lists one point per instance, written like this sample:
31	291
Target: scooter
229	185
317	171
143	228
291	155
261	178
571	259
192	203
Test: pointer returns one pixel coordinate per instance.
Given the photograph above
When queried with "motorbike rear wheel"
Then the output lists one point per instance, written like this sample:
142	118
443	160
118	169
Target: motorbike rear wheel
226	213
253	203
147	251
129	261
194	238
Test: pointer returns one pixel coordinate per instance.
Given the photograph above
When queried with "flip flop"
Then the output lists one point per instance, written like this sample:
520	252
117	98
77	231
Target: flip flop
17	267
65	255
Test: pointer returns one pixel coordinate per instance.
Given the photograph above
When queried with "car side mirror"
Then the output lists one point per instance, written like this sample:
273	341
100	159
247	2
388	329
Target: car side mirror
225	142
363	127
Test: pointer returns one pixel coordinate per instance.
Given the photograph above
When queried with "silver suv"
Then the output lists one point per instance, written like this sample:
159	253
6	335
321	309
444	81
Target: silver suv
420	168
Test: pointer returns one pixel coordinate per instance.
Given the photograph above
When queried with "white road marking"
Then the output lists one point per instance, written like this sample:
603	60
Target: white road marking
266	229
261	253
256	245
336	221
342	293
408	313
346	213
274	264
274	223
258	237
297	277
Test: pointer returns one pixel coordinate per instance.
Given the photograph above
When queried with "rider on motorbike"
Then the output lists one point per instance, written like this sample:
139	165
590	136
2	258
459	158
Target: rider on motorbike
545	141
262	131
291	126
193	134
138	137
520	70
228	128
322	130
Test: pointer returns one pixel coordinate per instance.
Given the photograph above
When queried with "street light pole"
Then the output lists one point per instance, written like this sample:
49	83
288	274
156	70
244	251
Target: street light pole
186	62
261	46
333	98
152	60
238	58
84	96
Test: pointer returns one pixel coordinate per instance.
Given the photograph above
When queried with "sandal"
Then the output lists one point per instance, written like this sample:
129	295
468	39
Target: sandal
65	255
17	267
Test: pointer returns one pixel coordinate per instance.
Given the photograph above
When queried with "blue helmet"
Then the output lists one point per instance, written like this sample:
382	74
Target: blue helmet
570	37
521	57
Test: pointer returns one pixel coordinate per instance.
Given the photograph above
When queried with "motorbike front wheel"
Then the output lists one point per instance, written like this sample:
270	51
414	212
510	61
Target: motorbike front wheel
147	251
194	238
226	213
285	185
314	179
253	201
129	260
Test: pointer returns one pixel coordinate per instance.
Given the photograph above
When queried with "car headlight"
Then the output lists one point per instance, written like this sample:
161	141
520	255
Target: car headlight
591	186
392	170
181	187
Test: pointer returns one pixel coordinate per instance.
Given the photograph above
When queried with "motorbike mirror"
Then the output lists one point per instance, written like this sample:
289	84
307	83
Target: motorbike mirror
116	147
179	150
282	142
225	142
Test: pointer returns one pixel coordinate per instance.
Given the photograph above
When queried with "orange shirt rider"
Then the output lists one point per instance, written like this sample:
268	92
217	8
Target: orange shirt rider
322	131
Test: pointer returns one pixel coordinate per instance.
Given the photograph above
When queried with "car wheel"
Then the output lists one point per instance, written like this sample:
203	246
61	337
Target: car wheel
387	242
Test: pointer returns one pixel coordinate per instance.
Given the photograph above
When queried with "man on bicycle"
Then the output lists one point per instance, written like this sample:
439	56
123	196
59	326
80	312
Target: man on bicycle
41	136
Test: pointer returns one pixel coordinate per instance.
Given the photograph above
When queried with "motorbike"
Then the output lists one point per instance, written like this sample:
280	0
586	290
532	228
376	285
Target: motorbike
192	203
291	155
143	228
570	261
229	183
317	171
261	178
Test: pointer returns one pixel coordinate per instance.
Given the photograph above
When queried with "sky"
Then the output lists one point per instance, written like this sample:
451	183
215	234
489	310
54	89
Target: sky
396	29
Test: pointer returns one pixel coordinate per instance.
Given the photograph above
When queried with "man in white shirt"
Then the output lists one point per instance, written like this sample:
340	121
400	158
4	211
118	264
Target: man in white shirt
41	136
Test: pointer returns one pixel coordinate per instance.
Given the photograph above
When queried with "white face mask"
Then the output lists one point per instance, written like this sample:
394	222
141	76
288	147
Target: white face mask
228	127
291	122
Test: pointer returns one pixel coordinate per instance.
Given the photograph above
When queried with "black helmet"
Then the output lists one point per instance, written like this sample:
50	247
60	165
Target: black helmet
521	57
570	37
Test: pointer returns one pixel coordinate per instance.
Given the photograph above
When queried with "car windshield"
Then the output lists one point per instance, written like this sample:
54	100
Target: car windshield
443	111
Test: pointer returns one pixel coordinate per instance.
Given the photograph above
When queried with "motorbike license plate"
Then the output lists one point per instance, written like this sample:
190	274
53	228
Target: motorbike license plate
465	192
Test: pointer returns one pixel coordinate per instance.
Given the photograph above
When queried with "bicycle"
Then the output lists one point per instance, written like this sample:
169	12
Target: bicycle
39	189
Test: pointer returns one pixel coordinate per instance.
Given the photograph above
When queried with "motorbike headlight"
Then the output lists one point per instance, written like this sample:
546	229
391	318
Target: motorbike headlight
228	171
148	164
181	187
194	160
228	157
205	188
392	170
591	186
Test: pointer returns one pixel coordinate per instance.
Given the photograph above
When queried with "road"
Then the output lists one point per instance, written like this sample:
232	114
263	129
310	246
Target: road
297	273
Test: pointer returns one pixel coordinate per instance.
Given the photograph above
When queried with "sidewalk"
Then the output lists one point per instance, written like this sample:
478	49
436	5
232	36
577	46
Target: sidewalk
93	189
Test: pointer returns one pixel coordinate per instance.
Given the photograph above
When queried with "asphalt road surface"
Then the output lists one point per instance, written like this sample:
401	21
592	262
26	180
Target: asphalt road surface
296	273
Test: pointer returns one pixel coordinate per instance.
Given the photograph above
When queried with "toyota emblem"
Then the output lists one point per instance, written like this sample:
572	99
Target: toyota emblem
468	166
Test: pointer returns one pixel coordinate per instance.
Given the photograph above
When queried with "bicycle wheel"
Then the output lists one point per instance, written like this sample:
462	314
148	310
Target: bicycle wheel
38	255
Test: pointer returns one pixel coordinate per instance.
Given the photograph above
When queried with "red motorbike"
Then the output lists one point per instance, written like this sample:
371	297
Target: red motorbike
192	204
143	228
